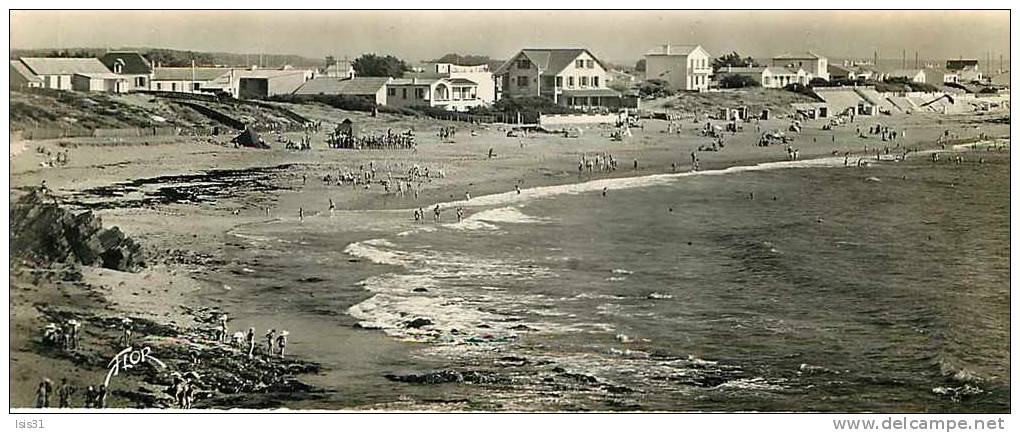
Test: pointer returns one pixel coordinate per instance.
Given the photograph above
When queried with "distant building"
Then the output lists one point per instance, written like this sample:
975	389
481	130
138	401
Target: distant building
191	80
816	66
339	69
260	83
772	77
962	71
56	72
914	75
22	77
479	74
684	67
567	76
369	88
454	94
100	82
131	65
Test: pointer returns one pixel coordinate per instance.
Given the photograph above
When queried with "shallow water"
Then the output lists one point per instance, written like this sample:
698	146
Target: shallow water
826	291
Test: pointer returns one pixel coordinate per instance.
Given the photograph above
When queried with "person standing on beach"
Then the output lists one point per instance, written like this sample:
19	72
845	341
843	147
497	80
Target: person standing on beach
604	191
301	214
436	211
125	336
518	187
90	397
222	337
250	338
64	392
460	214
270	335
332	208
101	396
42	394
281	342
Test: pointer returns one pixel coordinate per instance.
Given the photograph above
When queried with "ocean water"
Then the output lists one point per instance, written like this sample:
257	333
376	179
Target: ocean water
840	289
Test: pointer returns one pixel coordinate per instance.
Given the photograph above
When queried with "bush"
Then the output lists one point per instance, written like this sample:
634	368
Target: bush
818	82
655	88
734	81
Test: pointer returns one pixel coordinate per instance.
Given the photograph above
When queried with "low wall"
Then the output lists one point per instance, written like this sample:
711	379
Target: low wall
51	133
547	120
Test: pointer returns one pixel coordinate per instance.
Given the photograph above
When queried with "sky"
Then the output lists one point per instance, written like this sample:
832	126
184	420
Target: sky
615	36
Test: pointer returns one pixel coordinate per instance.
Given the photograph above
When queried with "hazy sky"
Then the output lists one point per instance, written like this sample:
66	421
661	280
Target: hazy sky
612	35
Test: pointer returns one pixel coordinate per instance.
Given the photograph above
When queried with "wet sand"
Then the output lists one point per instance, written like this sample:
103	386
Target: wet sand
196	246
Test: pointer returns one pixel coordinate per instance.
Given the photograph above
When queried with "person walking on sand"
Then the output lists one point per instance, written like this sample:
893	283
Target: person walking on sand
281	342
332	208
301	214
90	397
436	212
467	196
222	336
270	335
42	394
64	392
518	188
101	396
125	336
460	214
250	339
605	190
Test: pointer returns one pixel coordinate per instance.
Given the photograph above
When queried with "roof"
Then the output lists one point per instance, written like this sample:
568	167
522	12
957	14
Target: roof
807	105
779	70
672	50
102	75
550	61
64	65
184	74
590	92
909	73
267	73
461	81
336	86
133	62
798	56
960	64
743	70
413	81
21	69
837	70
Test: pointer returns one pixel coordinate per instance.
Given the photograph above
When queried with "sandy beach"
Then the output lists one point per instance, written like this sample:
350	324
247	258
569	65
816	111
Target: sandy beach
196	205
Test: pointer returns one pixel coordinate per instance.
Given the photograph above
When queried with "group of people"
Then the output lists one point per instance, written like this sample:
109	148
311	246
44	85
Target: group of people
276	343
603	162
447	133
67	336
342	138
95	396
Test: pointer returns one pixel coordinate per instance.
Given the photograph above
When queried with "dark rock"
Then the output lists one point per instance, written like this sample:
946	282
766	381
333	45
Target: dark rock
418	323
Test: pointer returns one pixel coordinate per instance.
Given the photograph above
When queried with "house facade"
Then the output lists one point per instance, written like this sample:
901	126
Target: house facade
479	74
22	78
131	65
568	76
339	69
100	82
914	75
684	67
962	71
453	94
816	66
371	89
57	72
771	77
191	80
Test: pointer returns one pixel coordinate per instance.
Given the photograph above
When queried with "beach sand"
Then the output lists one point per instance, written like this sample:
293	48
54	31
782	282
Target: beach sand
192	247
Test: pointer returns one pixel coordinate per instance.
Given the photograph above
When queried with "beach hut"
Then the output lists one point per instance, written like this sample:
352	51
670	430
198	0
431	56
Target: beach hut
347	127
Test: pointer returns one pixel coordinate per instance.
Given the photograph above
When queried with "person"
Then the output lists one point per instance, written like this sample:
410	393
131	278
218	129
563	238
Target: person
42	394
270	335
281	342
635	164
518	187
90	397
467	195
75	328
250	339
101	396
332	208
605	189
222	336
125	337
64	392
301	214
436	211
460	214
304	178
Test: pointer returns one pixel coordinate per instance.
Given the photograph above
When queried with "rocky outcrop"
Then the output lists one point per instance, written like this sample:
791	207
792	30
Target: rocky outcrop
43	231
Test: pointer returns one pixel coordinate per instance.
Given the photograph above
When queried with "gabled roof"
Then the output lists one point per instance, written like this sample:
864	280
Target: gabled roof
184	74
673	50
19	68
133	62
461	81
958	64
550	61
799	56
336	86
64	65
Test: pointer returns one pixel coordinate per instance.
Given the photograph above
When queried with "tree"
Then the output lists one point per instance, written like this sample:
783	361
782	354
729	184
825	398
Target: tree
371	65
818	82
735	81
732	59
640	65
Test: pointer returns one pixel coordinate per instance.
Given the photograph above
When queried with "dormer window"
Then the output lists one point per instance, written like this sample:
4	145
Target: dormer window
523	64
118	66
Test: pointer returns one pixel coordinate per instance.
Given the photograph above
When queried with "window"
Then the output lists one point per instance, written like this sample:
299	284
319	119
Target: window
559	81
139	81
591	64
579	63
391	92
159	86
522	81
195	86
403	93
584	81
570	81
419	93
173	87
547	82
595	81
523	64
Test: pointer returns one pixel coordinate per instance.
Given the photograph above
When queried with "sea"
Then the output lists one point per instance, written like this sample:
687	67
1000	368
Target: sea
787	286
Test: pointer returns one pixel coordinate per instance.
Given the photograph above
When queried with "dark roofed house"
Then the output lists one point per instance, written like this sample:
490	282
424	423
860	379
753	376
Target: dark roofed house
131	65
567	76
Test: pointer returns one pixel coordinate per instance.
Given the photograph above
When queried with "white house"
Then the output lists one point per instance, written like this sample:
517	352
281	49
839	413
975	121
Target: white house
568	76
772	77
57	72
453	94
479	74
100	82
191	80
131	65
816	66
684	67
914	75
